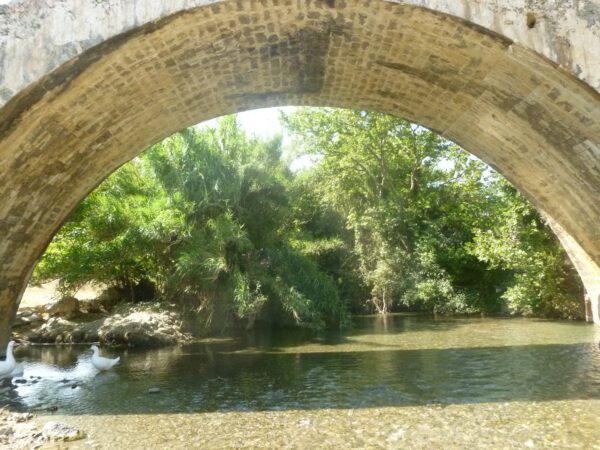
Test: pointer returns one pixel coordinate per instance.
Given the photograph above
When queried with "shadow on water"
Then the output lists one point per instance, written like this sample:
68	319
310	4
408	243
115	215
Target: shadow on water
199	377
398	360
392	324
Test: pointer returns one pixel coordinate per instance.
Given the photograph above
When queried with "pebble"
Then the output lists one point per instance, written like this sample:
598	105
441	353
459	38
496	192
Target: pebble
304	422
396	435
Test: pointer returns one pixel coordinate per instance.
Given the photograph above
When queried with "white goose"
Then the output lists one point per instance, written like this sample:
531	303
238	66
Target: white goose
7	367
102	363
18	370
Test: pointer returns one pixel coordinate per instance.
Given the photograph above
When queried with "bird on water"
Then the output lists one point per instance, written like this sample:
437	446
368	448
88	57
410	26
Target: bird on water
7	366
102	363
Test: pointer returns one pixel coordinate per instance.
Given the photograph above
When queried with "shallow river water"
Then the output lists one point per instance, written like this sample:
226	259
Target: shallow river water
402	381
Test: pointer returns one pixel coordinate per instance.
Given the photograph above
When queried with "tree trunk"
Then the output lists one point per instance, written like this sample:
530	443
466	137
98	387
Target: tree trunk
381	305
251	321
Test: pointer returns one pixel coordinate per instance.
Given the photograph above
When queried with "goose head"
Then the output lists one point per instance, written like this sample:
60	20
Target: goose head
94	349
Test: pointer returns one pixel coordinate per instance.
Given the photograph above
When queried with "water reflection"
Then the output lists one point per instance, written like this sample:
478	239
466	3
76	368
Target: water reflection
394	361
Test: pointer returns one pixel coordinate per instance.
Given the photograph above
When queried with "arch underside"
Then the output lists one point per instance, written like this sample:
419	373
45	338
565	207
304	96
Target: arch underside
530	119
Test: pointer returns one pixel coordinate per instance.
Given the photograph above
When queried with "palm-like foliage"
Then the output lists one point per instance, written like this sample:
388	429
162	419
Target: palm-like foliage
203	216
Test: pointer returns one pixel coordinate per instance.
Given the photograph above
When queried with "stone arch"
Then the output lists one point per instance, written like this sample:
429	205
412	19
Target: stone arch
478	74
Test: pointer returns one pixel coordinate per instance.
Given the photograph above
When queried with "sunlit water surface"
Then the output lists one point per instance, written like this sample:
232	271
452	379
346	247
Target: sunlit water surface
399	381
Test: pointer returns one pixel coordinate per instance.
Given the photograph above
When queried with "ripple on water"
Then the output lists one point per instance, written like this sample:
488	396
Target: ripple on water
402	378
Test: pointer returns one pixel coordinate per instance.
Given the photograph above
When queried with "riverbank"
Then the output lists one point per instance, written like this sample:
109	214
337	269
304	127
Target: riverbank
23	430
145	324
110	319
18	431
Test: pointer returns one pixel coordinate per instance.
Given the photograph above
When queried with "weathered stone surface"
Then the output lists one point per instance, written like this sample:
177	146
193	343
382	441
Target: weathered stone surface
142	325
18	431
67	307
27	316
87	86
58	431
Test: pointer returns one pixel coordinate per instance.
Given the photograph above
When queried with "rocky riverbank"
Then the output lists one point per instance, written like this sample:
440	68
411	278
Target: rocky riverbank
143	324
20	431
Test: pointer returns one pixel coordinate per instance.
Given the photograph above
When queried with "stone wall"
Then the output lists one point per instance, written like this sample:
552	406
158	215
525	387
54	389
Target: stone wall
87	85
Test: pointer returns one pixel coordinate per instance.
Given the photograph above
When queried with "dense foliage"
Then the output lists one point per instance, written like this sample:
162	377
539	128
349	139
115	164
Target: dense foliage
431	227
392	216
203	217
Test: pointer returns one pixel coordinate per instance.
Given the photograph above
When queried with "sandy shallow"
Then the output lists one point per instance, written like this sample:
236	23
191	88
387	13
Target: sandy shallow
512	425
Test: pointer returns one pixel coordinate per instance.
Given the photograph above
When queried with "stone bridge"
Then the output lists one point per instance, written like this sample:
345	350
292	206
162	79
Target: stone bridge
87	85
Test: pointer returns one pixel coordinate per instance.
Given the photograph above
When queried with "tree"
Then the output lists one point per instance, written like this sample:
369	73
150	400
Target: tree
542	280
392	216
415	206
203	216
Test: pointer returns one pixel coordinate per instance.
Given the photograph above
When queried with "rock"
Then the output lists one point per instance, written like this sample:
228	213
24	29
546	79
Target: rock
67	307
396	435
55	330
146	325
305	422
22	417
20	320
27	317
94	306
35	318
6	431
154	390
109	298
59	431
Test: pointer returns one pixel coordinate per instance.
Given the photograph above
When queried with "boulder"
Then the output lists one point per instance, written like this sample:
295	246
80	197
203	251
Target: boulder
66	307
58	431
27	316
55	330
140	325
109	298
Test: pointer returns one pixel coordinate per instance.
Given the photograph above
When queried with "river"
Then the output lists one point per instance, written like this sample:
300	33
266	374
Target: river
401	381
